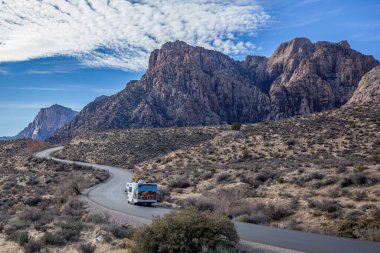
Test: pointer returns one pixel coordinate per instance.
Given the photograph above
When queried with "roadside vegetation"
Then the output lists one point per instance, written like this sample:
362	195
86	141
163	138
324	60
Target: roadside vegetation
187	231
39	210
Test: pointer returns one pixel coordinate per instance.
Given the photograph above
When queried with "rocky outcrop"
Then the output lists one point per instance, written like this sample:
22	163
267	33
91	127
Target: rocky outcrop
368	90
47	122
187	86
305	77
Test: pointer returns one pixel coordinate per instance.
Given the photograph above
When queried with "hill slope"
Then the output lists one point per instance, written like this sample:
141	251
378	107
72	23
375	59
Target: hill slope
368	90
318	173
188	86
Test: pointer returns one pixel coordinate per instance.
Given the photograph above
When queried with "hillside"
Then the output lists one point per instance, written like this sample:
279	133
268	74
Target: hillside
124	148
319	172
190	86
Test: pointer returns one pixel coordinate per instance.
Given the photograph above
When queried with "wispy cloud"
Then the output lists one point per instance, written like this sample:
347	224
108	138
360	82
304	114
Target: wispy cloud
68	88
46	72
306	2
3	71
121	34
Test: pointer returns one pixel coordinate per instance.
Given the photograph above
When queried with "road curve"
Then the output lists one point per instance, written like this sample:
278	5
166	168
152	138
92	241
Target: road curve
111	196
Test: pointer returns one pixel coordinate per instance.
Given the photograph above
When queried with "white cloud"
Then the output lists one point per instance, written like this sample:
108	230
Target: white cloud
120	33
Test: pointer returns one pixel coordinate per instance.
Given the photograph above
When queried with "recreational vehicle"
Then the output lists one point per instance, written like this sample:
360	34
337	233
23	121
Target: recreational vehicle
141	193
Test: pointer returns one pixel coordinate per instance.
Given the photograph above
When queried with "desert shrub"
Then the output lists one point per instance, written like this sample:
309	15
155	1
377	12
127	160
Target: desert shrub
102	175
55	239
376	158
98	218
73	208
360	195
120	232
264	176
33	201
201	204
72	225
251	181
277	211
223	177
341	169
20	237
207	175
358	179
179	182
33	246
291	142
14	226
87	248
30	214
236	126
361	168
43	221
346	229
325	205
163	193
73	185
69	234
255	218
186	231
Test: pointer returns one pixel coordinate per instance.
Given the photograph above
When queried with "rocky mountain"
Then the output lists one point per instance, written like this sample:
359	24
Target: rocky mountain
186	86
368	90
47	122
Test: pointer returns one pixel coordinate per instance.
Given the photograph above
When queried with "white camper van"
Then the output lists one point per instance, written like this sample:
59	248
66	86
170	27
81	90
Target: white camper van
141	193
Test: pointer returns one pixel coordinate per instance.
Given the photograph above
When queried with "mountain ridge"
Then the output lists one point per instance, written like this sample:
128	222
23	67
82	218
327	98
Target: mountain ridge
188	86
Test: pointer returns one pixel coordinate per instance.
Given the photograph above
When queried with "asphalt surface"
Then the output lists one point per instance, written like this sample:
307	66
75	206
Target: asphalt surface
112	196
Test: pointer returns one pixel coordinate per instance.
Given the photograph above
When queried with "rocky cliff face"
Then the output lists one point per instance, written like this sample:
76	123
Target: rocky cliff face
368	90
47	122
303	77
186	86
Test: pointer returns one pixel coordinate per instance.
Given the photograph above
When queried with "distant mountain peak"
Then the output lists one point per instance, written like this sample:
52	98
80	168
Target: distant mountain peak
47	121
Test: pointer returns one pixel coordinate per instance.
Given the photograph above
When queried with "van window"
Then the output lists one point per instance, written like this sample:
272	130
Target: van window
130	189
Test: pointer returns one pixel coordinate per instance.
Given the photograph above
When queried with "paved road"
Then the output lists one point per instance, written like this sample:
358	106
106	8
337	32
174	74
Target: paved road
111	195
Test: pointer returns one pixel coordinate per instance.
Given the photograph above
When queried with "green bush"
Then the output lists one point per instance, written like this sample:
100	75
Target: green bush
186	231
236	126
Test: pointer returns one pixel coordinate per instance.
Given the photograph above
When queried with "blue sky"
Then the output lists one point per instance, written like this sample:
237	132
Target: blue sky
65	53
